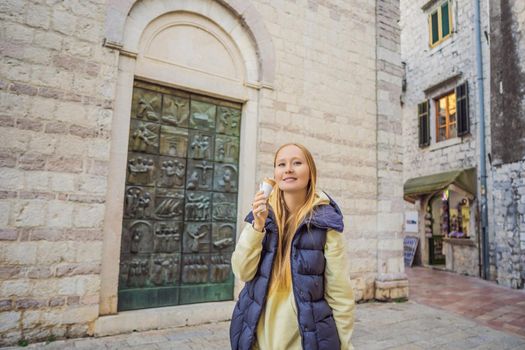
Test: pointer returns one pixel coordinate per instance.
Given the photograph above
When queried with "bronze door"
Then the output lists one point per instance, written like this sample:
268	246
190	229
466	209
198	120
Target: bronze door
178	230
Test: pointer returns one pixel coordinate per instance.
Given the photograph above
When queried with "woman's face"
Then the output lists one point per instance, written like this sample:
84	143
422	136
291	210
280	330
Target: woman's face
291	170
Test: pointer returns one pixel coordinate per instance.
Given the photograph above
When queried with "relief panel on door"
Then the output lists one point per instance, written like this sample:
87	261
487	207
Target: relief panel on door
180	199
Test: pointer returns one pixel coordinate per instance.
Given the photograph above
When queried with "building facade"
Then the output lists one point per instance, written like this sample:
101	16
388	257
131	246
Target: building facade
442	109
135	134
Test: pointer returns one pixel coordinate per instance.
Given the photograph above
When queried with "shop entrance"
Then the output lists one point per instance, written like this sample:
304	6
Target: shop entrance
180	203
438	208
447	201
436	256
449	211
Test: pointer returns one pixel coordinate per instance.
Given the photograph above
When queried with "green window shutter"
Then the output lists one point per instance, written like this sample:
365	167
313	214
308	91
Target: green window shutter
462	109
424	123
434	27
445	23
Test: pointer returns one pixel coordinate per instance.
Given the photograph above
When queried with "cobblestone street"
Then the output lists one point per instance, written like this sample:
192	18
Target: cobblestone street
378	326
427	321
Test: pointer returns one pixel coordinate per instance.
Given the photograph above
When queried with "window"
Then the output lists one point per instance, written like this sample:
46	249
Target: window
440	24
446	125
451	113
462	109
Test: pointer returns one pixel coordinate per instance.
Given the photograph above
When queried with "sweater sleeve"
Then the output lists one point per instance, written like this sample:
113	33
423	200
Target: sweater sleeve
338	290
247	253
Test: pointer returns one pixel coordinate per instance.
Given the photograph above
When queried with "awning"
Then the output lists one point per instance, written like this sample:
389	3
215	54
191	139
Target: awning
464	179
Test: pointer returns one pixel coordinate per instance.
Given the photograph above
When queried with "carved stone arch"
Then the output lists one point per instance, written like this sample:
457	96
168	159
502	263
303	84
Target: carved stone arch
237	31
235	16
192	51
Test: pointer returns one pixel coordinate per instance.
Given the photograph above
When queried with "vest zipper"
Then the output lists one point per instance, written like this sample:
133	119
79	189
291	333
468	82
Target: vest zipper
292	257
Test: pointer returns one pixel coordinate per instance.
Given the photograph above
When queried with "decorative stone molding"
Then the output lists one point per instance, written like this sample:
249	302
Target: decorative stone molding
429	4
194	52
120	16
453	79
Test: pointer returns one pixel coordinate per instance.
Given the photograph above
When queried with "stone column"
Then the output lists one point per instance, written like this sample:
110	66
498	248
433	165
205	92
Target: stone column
391	281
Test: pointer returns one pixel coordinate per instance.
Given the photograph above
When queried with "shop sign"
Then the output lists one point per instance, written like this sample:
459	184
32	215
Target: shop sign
409	249
411	221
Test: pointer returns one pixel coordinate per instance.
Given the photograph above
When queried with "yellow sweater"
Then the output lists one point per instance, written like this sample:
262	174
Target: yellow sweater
278	327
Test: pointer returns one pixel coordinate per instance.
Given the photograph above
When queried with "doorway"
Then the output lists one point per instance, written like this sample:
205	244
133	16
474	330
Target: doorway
180	199
439	216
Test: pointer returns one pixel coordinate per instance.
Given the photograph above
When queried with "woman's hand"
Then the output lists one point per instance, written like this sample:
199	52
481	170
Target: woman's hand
260	211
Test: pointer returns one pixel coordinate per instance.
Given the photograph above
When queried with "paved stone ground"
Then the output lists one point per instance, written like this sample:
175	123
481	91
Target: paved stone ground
446	311
485	302
406	326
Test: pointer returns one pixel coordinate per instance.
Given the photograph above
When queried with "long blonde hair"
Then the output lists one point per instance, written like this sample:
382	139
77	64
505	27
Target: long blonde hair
287	223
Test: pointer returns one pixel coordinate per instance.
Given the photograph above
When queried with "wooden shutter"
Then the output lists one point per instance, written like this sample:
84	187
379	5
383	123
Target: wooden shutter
462	109
424	123
433	21
445	20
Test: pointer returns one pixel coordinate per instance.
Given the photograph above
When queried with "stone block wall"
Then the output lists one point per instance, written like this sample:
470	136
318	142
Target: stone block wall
325	98
462	258
507	81
507	244
391	281
507	250
56	90
426	66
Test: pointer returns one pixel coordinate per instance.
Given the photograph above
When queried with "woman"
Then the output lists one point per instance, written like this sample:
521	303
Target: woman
292	257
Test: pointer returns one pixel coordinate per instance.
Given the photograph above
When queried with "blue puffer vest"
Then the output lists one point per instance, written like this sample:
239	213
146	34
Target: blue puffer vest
314	315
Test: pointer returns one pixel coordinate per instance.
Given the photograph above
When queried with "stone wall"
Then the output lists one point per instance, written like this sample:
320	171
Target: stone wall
507	251
508	81
507	246
56	91
427	66
391	282
462	258
325	98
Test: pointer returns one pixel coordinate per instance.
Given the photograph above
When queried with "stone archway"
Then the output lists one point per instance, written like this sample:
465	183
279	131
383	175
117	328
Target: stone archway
237	13
133	25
